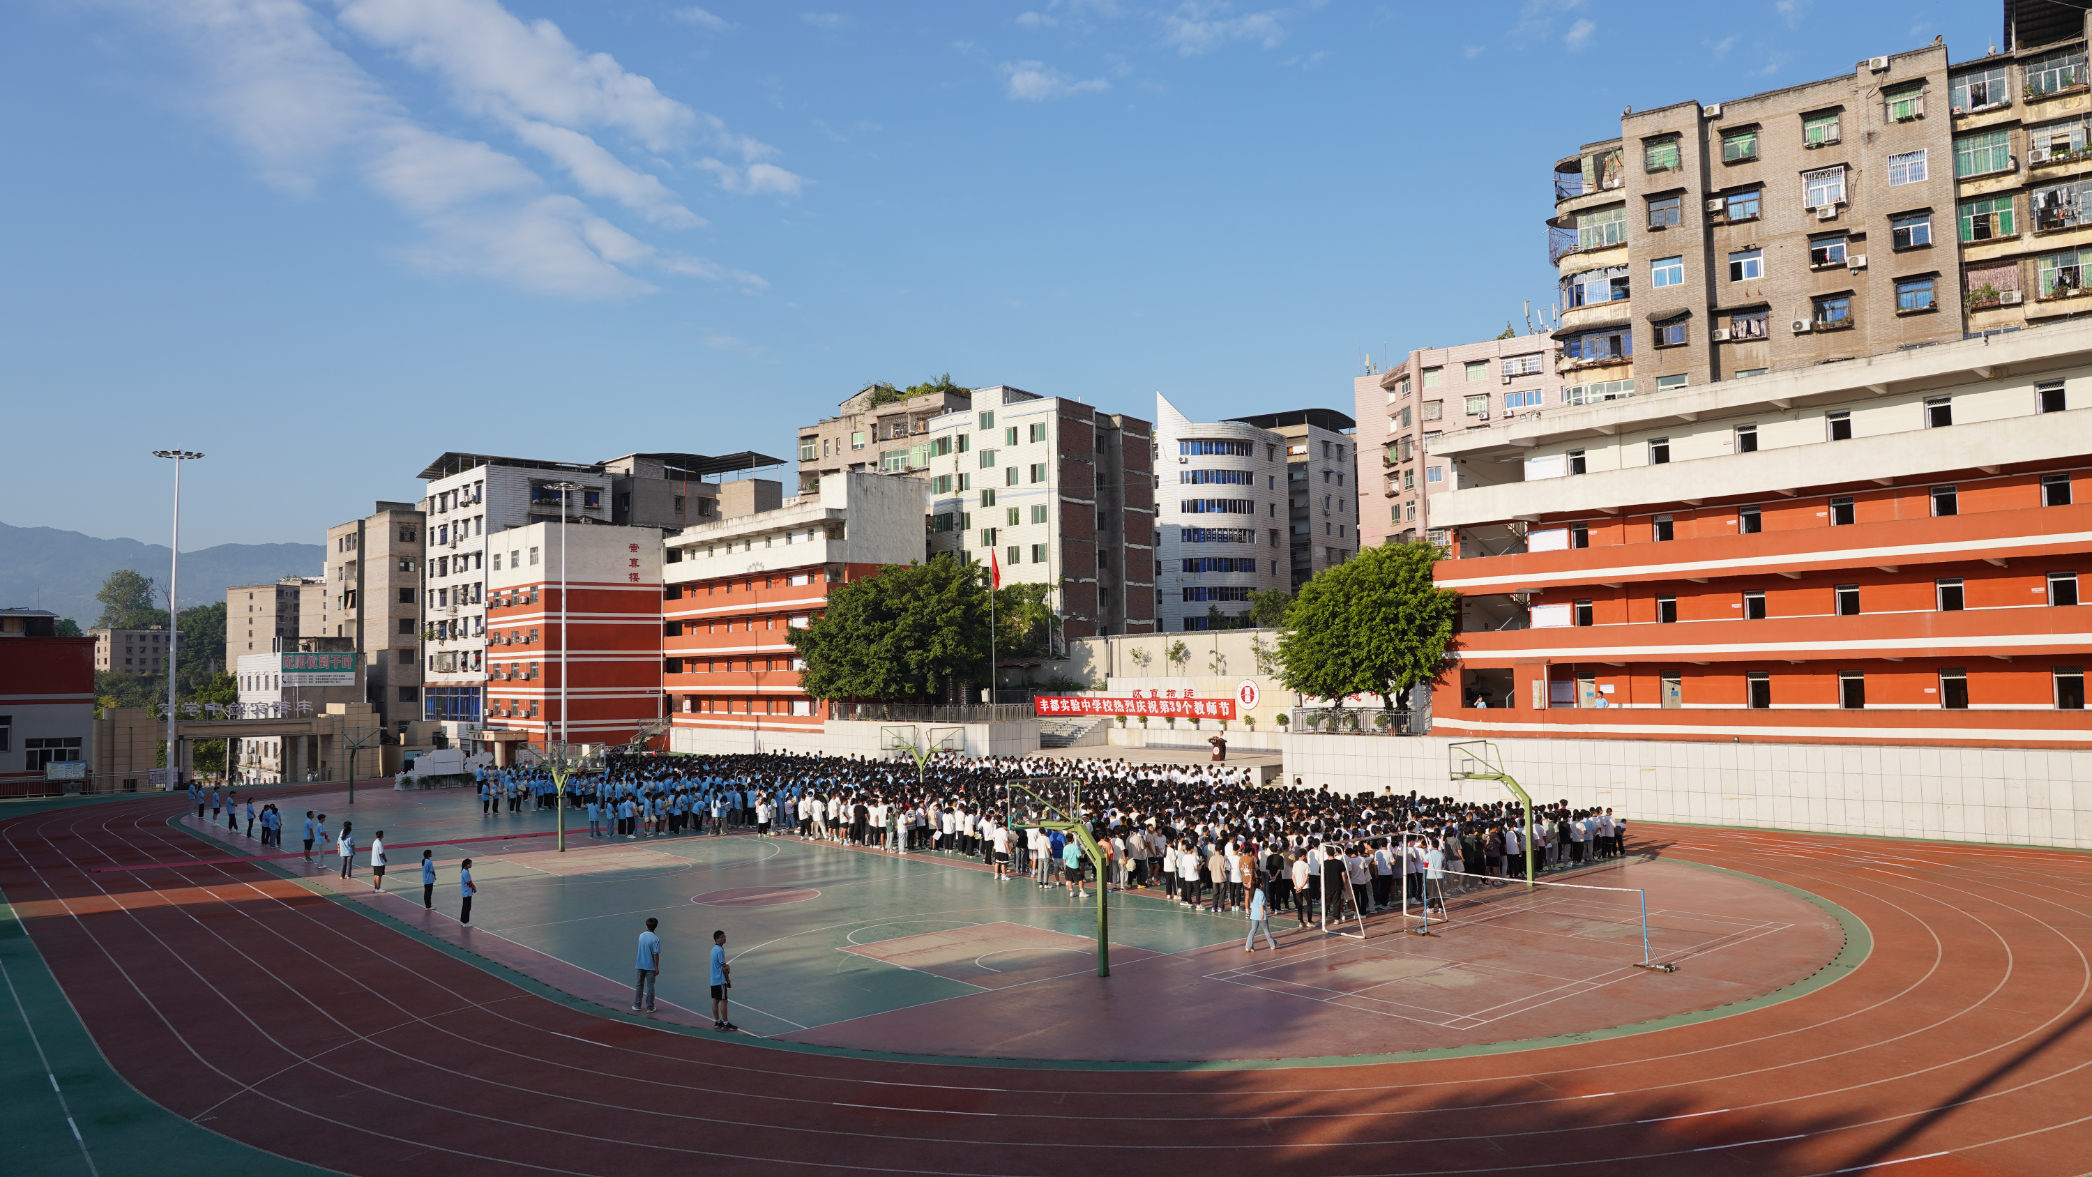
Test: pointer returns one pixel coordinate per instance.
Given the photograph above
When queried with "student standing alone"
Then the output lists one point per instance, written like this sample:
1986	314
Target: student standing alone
649	967
722	980
428	879
467	889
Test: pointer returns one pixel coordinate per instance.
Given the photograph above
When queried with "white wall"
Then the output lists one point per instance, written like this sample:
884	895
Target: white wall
2002	796
840	737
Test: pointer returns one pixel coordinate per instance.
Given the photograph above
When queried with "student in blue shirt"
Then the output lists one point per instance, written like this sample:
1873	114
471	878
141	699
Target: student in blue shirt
465	886
311	831
649	967
428	879
722	981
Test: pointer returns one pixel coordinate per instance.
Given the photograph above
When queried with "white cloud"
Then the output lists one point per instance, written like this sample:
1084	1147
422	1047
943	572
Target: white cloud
1035	81
1579	35
829	21
1035	20
1200	25
701	19
1792	11
302	108
1720	49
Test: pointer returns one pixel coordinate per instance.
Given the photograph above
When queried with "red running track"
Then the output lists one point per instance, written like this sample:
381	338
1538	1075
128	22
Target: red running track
281	1018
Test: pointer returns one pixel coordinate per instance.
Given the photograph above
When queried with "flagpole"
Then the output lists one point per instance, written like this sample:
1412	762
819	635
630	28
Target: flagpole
994	583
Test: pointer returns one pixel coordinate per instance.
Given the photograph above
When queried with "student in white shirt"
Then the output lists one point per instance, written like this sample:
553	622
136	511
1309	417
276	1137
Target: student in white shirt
377	862
346	847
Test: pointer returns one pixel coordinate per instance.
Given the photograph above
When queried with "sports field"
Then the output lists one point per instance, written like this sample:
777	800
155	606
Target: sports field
1837	1004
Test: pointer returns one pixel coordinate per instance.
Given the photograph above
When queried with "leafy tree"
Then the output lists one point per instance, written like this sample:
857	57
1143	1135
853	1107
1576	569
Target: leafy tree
1025	622
1267	609
68	628
202	644
1178	654
1375	625
1508	333
898	634
127	602
885	393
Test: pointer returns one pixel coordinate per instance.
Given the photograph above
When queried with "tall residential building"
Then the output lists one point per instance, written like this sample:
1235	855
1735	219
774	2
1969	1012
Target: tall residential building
1436	390
130	651
737	586
1322	488
1886	550
372	591
264	618
1222	517
1062	494
574	632
871	433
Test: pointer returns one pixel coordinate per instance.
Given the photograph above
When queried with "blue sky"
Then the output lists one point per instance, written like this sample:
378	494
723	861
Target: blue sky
326	240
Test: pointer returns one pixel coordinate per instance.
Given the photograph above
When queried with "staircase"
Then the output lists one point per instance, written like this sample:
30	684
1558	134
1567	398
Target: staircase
1072	733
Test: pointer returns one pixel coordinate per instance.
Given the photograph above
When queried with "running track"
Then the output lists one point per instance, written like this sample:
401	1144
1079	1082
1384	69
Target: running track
287	1021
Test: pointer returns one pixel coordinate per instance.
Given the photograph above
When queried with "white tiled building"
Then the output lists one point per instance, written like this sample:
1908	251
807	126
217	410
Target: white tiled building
1221	517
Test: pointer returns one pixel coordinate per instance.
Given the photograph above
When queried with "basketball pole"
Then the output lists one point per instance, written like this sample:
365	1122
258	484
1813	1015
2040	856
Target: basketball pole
1497	774
1067	824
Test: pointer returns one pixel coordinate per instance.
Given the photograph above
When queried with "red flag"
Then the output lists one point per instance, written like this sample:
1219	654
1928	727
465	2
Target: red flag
995	570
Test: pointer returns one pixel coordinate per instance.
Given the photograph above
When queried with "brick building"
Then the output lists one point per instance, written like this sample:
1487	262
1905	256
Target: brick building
46	698
372	586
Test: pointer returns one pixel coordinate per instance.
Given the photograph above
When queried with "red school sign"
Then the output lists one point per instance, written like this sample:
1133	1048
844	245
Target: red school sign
1111	705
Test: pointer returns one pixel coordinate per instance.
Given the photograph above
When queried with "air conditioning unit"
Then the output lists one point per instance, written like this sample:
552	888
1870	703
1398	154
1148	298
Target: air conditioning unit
1711	112
1828	212
2010	298
1878	64
1507	379
2037	154
1721	335
1801	326
1857	261
1482	416
1183	461
1716	205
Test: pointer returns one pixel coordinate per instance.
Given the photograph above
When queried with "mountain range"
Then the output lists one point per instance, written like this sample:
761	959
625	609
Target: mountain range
43	567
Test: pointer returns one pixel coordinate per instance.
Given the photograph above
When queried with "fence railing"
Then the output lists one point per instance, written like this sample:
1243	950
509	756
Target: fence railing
934	712
1351	721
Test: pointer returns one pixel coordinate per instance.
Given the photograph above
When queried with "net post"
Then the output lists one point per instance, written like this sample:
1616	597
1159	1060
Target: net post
1647	957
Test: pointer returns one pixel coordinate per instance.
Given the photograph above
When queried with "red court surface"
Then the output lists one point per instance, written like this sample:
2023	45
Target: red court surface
286	1019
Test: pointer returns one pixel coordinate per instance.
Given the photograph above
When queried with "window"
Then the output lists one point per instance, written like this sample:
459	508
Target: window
1577	464
2057	71
1477	406
1910	230
2063	206
1014	516
809	448
1981	153
1581	614
1739	145
1665	210
1852	690
1431	377
1914	294
1660	529
1014	556
1907	168
1746	265
1666	610
1827	251
1038	553
1747	325
1038	514
1939	412
1432	411
1904	103
1847	597
2060	274
1749	521
1667	271
1222	477
987	537
2055	490
987	459
1477	370
1579	535
1529	399
1945	501
1010	476
1597	230
987	422
1668	334
1595	286
1741	206
2056	141
1038	431
1209	447
1825	186
1038	472
1757	690
1954	688
2070	688
1009	436
2048	397
1671	383
1660	155
407	623
1754	605
1947	595
2062	588
1603	390
1746	439
1820	128
1833	311
1659	450
1434	474
1978	89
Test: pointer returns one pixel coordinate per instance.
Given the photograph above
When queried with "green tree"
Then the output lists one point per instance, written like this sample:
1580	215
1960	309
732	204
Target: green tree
1025	621
68	628
202	644
1267	609
1374	625
127	602
1508	332
899	634
884	393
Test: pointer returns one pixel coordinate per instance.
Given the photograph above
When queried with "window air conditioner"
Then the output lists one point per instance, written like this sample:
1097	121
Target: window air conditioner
1857	261
1716	205
1711	112
2037	155
1828	212
1721	335
1878	64
1801	326
2010	298
1482	416
1183	461
1506	380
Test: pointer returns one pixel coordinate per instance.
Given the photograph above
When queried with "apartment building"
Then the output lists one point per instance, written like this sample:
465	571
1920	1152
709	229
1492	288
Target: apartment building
1322	488
372	596
670	490
1886	550
131	651
46	698
574	632
1061	493
264	618
1222	518
875	430
1433	391
737	586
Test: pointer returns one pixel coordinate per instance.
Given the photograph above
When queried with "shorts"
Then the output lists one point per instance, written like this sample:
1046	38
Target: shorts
719	992
1075	873
1002	856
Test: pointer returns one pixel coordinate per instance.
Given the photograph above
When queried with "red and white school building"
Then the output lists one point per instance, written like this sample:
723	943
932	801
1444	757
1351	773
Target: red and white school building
1841	598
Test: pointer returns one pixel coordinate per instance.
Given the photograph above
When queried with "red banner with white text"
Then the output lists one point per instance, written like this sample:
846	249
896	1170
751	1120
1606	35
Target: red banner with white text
1113	705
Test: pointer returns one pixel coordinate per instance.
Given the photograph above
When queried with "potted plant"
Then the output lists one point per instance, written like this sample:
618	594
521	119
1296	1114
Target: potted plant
1285	722
1249	722
1982	296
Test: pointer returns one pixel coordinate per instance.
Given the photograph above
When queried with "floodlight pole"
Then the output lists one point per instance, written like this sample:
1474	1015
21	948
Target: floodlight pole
174	629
